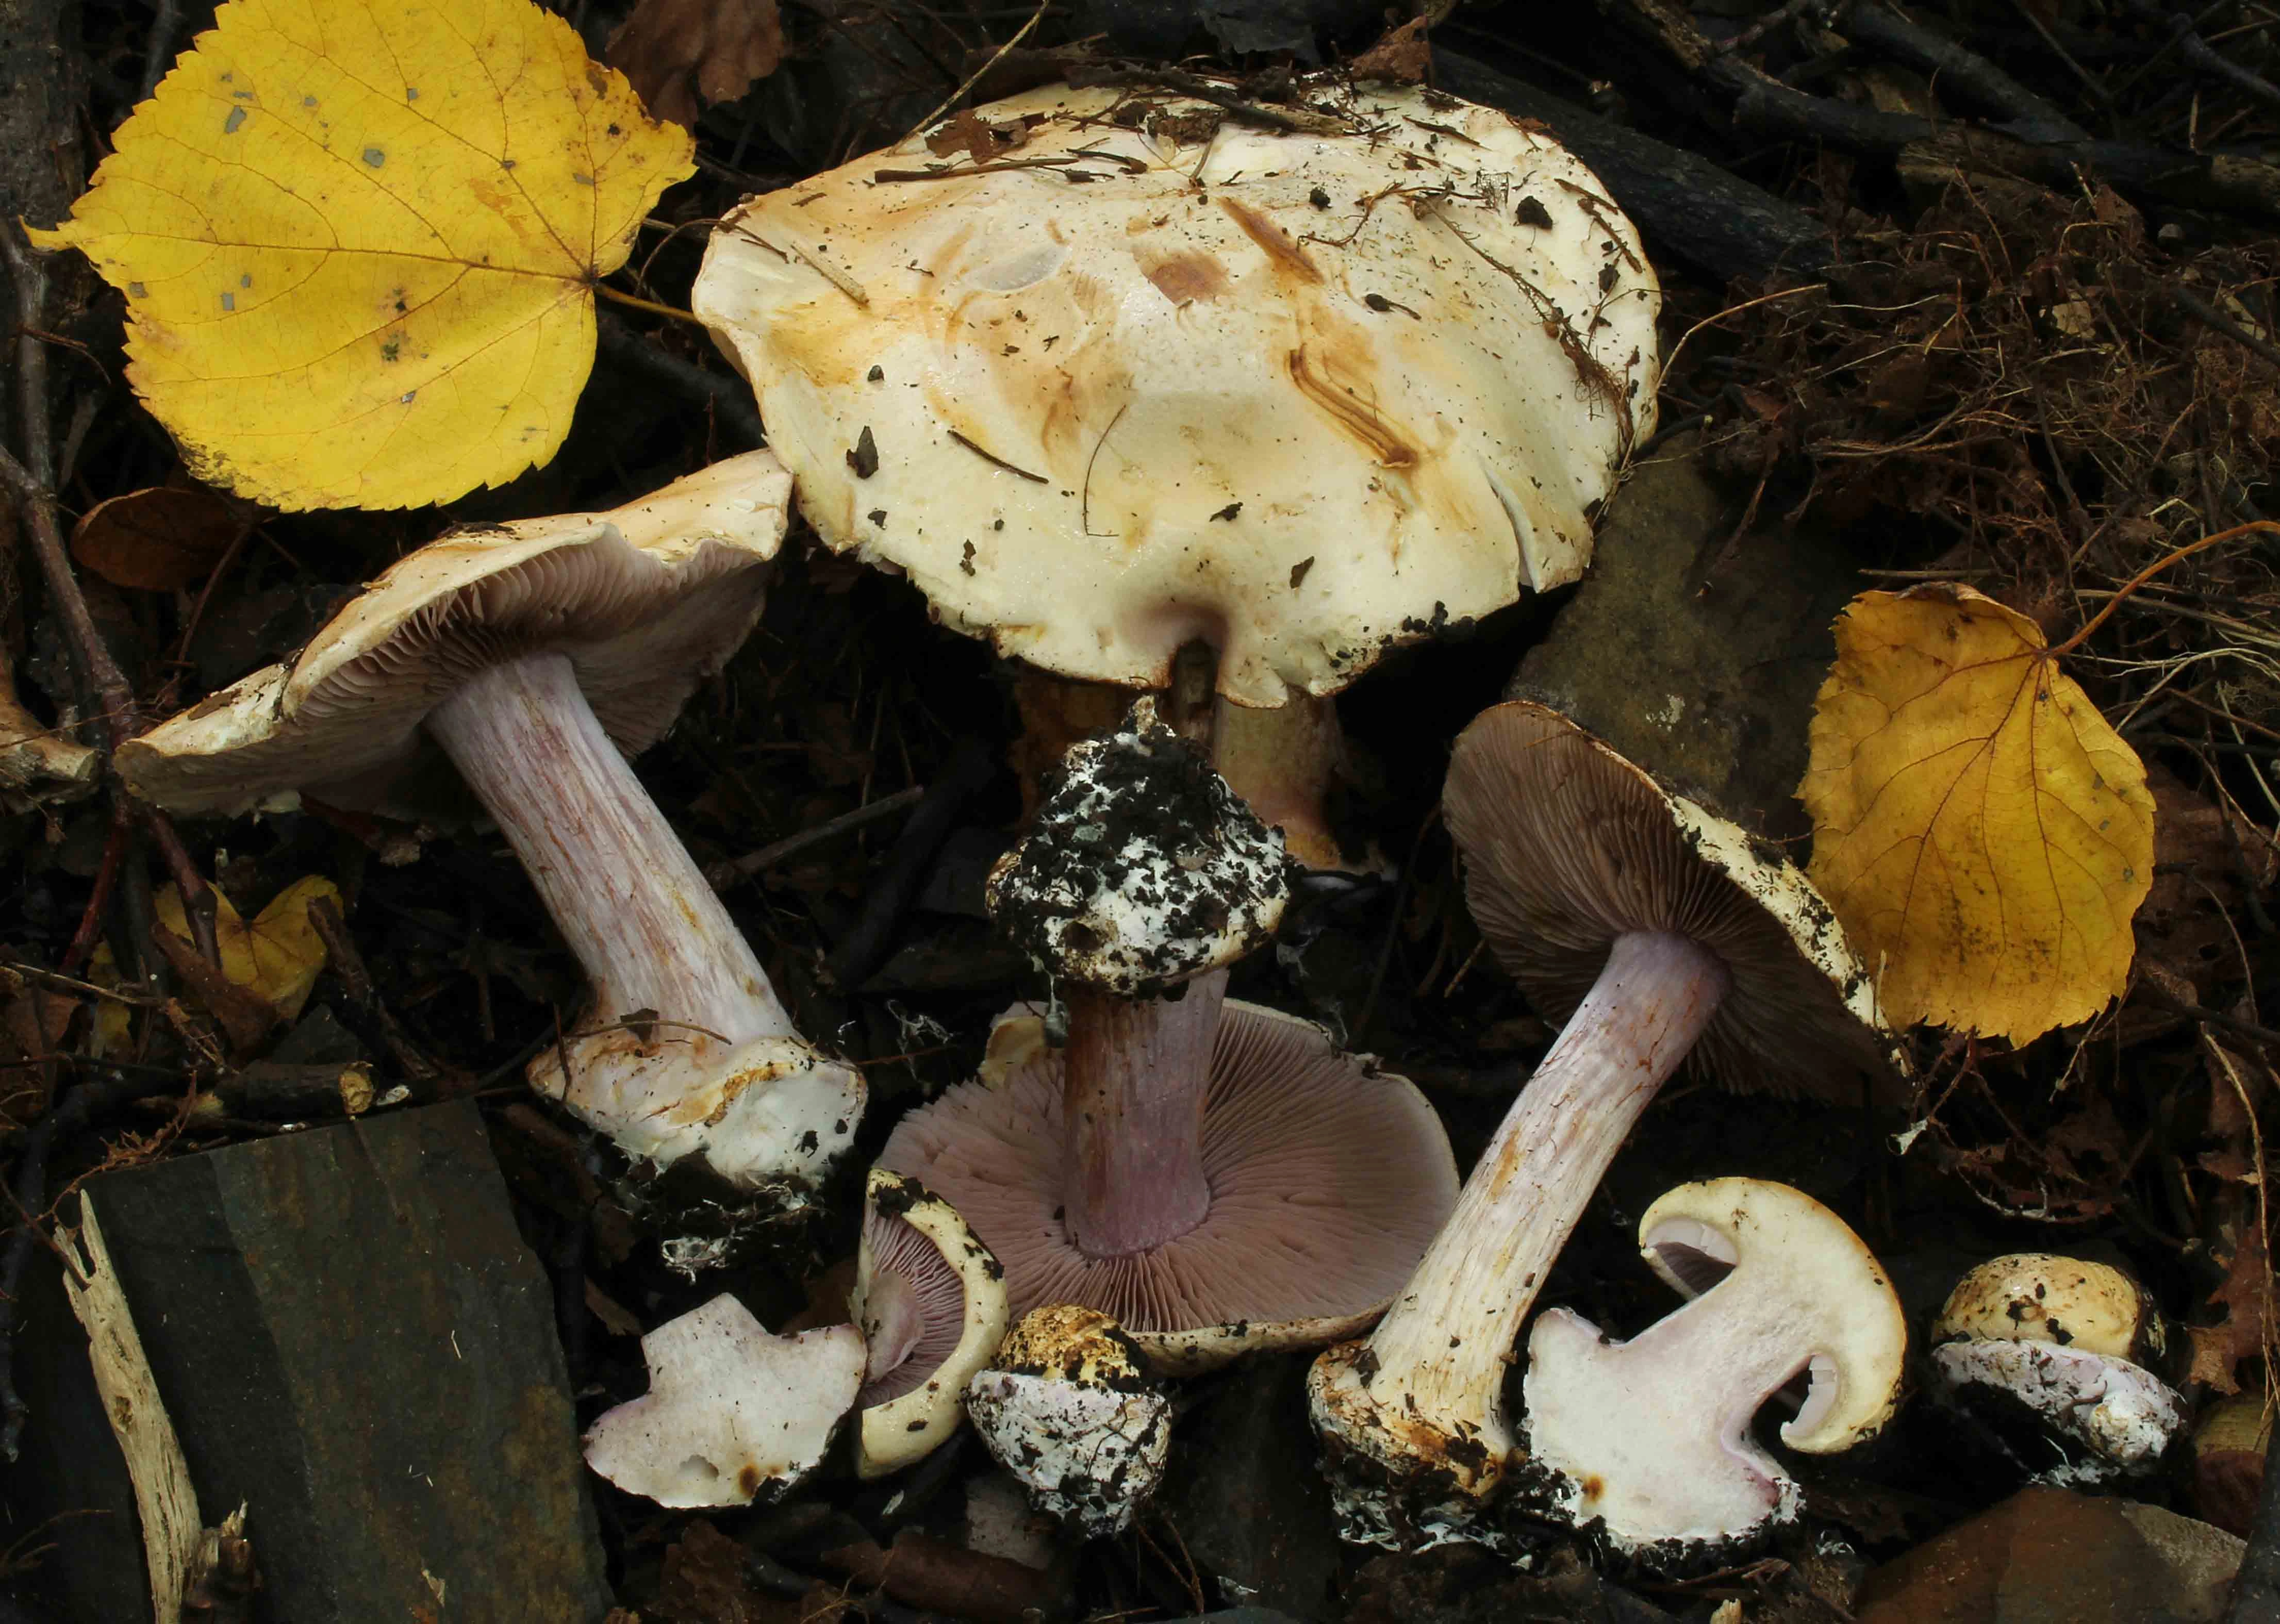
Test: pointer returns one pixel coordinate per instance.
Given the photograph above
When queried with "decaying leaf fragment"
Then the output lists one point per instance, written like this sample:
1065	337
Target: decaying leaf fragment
278	955
358	243
1982	833
683	56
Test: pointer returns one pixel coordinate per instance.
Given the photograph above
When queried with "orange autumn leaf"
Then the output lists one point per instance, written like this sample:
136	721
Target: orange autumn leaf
1983	833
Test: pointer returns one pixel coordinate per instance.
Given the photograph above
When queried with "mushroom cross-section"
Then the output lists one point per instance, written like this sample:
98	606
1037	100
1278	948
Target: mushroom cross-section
1662	936
535	658
731	1409
1216	1176
930	1302
1155	374
1649	1438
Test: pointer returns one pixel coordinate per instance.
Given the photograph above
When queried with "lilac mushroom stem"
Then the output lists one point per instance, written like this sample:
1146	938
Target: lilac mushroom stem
1137	1075
1444	1343
621	888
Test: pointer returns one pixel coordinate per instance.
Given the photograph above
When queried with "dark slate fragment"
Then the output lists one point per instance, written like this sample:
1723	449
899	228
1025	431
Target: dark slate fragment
352	1339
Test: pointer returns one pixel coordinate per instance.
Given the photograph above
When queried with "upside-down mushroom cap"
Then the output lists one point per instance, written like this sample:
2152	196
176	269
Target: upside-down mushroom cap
930	1302
731	1409
1155	374
1567	846
645	600
1328	1180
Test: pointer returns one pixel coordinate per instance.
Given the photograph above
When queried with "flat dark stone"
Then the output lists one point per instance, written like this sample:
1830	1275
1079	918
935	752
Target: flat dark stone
352	1339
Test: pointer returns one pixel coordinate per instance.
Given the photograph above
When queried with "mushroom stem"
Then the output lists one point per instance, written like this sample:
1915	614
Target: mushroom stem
622	889
1136	1074
1281	761
1447	1340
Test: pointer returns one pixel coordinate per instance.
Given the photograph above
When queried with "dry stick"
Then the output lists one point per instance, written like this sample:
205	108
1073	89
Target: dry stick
117	716
2121	593
2210	316
975	77
348	965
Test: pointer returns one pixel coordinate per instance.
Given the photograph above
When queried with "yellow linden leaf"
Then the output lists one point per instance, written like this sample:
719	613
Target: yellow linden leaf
278	955
358	243
1982	835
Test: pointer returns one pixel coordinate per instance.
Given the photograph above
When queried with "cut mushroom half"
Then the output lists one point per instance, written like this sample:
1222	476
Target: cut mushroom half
1303	394
534	659
1068	1408
731	1412
1664	939
1215	1176
2047	1359
1649	1439
930	1302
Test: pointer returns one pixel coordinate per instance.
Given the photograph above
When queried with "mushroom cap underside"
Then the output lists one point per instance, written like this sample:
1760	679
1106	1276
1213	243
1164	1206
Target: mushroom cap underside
645	601
1328	1181
1306	394
1567	846
930	1302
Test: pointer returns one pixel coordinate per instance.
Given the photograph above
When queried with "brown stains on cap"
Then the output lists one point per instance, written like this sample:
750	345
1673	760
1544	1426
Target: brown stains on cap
1282	253
1184	277
1317	373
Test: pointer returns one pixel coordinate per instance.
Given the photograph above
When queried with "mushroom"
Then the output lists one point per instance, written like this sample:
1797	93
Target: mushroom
1215	1176
2042	1354
1649	1439
730	1410
1662	937
930	1302
1305	394
535	658
1067	1407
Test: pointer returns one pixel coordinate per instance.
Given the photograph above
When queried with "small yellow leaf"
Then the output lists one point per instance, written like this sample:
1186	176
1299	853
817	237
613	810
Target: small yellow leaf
1982	835
279	955
358	243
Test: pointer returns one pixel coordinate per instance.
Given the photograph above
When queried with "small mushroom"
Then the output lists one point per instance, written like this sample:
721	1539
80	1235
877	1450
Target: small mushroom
534	659
930	1302
1305	395
1068	1408
1213	1175
1665	939
731	1411
2041	1354
1649	1438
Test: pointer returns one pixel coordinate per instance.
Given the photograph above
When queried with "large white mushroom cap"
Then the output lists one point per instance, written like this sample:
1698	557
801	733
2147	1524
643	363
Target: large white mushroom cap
1155	373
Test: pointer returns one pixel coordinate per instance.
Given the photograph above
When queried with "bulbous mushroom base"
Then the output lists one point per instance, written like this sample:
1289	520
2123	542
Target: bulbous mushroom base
1399	1479
768	1116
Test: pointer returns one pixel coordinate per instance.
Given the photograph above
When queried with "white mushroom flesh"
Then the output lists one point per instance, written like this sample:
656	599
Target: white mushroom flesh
1651	1436
731	1410
2122	1414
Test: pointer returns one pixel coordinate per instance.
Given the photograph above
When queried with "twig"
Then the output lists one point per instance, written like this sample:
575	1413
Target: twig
1973	78
634	301
729	398
348	965
2210	316
161	51
724	875
978	74
865	947
2123	593
2199	53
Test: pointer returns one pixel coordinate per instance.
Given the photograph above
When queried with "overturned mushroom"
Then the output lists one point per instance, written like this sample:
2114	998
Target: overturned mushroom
2048	1359
731	1411
1303	394
1067	1407
1649	1439
535	658
1215	1176
1664	939
930	1302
